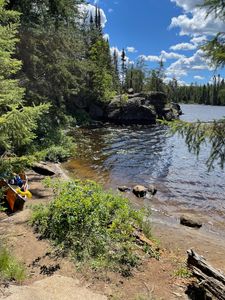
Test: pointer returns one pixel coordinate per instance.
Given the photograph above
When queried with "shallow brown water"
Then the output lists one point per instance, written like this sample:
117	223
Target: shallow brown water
127	156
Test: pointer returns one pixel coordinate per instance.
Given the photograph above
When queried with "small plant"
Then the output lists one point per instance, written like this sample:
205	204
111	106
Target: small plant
91	224
10	268
183	272
124	98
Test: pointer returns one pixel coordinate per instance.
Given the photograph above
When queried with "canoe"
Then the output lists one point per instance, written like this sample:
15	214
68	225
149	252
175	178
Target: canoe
13	199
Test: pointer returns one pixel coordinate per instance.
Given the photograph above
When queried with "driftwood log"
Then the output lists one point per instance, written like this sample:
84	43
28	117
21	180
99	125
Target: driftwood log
210	279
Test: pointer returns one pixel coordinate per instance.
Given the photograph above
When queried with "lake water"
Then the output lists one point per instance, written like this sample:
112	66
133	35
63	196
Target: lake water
127	156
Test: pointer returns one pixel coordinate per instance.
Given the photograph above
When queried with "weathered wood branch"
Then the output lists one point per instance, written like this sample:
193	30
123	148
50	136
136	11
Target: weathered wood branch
142	238
209	278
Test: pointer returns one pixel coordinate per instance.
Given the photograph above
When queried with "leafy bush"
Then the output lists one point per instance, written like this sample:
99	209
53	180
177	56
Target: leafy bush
82	117
10	269
59	149
92	224
57	154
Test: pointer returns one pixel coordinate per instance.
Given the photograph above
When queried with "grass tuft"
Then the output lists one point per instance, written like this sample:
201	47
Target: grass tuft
10	268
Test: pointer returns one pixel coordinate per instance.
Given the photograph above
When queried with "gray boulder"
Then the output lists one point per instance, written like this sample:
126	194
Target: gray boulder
177	108
43	169
130	91
140	191
152	189
190	221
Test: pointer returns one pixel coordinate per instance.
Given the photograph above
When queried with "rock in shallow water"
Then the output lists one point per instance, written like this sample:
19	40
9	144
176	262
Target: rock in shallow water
140	191
123	188
190	221
152	189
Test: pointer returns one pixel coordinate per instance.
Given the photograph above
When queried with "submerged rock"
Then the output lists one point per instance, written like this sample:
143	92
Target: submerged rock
152	189
190	221
140	191
123	188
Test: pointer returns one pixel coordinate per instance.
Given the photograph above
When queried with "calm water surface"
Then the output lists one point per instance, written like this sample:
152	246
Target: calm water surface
127	156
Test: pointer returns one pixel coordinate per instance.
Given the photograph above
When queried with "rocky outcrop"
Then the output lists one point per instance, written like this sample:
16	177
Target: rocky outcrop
133	111
138	108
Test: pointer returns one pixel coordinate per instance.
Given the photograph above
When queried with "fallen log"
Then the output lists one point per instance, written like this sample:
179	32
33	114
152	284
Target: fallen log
210	279
142	238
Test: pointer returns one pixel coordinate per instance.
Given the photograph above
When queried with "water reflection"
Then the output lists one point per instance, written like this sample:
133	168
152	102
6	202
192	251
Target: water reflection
126	156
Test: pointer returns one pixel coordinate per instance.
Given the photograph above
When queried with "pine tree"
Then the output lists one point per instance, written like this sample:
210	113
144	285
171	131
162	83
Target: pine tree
123	68
17	121
215	48
52	51
115	74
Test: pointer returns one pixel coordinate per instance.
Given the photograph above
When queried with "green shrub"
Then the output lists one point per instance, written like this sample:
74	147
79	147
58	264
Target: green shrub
183	271
57	154
124	99
92	224
10	269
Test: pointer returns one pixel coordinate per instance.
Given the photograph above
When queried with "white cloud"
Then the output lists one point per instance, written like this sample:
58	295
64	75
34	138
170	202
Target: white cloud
179	82
199	40
187	5
164	56
88	9
106	36
152	58
119	52
182	66
131	49
183	46
195	21
198	77
110	10
200	67
170	55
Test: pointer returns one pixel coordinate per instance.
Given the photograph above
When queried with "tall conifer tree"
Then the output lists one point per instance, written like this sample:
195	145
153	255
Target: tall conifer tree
17	121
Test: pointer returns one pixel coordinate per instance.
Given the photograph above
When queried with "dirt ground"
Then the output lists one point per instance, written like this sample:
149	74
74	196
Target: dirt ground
154	279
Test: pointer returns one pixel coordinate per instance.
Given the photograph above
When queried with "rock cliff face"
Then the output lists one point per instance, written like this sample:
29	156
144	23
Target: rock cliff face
136	109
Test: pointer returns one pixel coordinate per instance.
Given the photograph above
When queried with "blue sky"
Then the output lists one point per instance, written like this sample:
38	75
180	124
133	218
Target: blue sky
169	29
